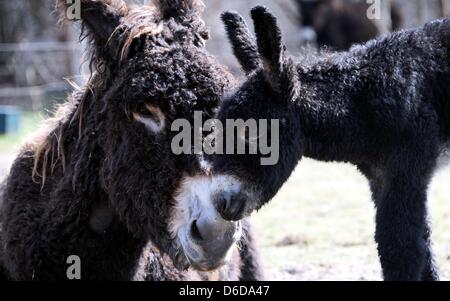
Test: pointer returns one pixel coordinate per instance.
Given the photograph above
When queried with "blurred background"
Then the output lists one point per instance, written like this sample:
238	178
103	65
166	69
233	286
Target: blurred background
320	226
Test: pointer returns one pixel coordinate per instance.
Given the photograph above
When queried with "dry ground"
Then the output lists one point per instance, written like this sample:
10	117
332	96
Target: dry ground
320	225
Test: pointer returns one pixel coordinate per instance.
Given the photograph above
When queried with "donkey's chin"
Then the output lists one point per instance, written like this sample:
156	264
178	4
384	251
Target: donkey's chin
207	239
207	265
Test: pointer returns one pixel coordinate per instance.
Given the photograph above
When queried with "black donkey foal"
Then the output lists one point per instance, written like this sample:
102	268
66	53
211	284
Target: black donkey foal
383	106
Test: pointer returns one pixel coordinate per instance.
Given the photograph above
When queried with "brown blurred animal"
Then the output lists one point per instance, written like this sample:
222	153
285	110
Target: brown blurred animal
339	23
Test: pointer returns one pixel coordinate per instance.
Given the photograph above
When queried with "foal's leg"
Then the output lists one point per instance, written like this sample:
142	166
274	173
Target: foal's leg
3	276
251	269
430	272
401	221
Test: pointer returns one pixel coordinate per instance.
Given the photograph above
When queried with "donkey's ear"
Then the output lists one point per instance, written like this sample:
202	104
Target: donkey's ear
244	45
270	45
179	8
99	17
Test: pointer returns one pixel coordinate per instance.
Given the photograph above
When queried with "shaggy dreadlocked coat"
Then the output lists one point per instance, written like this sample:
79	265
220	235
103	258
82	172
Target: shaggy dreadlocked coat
93	182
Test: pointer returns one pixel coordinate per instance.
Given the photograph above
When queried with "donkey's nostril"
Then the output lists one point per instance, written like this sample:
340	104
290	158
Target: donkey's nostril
224	205
195	233
230	207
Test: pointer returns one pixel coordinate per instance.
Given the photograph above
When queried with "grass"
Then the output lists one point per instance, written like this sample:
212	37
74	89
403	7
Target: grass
320	225
29	124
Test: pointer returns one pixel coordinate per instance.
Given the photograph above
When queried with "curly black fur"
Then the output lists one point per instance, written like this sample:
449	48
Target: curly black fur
94	182
383	106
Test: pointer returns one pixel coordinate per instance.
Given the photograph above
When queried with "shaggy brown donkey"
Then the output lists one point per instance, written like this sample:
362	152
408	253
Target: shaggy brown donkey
101	182
383	106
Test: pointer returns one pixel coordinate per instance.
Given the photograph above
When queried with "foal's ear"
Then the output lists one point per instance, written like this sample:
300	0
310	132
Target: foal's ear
99	17
270	45
244	45
179	8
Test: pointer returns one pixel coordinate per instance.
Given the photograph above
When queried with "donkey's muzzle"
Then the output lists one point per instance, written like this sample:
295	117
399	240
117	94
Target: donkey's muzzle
215	237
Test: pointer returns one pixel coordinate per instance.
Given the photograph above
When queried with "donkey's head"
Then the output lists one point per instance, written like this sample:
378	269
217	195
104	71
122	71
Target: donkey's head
151	68
314	12
242	183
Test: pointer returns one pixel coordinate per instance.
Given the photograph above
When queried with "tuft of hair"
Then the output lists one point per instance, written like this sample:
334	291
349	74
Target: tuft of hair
177	8
110	7
99	19
47	144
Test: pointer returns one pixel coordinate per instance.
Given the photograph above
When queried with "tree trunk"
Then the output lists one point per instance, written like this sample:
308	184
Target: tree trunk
385	23
421	7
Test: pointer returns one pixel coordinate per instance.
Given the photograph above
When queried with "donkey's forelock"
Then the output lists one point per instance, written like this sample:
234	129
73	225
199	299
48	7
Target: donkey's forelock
112	26
173	8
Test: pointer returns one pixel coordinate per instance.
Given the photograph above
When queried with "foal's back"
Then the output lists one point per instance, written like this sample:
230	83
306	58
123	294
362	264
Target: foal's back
398	80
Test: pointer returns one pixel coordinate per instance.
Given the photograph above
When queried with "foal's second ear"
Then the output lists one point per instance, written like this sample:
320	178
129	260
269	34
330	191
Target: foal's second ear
270	44
99	17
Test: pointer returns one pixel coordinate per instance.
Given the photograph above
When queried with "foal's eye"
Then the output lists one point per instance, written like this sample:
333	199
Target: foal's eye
151	116
248	136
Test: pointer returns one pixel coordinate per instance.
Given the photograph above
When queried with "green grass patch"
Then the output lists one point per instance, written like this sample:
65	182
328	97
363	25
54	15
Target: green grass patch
29	123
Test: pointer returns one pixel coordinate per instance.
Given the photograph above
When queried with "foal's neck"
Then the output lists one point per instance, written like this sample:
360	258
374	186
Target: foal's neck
328	90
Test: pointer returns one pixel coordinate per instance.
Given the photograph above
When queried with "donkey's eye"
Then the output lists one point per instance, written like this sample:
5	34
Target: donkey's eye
151	116
144	112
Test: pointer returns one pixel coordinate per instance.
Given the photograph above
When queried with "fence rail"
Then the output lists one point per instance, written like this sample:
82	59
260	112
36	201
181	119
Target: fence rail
33	73
39	46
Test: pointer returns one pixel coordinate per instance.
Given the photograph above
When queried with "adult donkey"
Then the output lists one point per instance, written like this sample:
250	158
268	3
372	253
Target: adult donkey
100	180
383	106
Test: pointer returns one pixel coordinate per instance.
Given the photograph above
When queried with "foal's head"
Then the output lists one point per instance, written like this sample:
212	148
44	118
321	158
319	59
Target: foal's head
241	183
151	68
